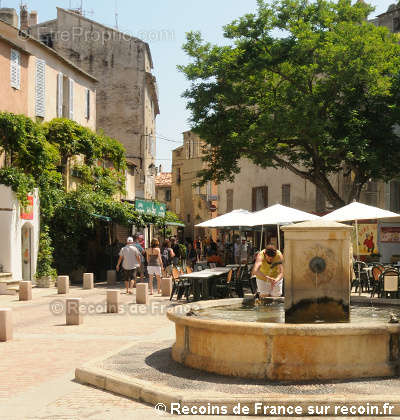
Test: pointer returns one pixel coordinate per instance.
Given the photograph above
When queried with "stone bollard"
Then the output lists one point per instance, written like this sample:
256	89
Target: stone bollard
6	332
166	286
111	277
88	281
72	311
142	295
25	290
112	301
63	285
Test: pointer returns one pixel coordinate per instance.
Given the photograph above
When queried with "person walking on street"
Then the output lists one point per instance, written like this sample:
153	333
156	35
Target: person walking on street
129	256
167	254
155	264
142	254
177	251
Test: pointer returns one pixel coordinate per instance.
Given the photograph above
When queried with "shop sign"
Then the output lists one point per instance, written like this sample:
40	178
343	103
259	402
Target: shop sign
390	234
151	208
27	211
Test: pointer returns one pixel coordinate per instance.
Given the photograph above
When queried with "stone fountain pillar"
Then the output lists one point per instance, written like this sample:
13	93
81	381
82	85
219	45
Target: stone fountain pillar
317	267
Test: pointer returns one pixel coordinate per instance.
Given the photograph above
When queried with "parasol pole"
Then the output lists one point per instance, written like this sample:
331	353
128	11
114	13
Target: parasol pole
358	248
261	239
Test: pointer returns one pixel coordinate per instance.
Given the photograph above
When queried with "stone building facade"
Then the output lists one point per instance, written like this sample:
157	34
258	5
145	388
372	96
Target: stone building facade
42	84
127	95
163	188
192	204
37	82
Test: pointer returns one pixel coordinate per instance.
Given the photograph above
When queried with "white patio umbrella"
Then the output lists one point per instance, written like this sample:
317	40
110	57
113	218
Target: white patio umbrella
279	215
357	211
236	218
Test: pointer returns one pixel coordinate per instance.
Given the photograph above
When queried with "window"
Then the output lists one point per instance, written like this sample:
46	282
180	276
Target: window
168	195
395	196
178	176
40	88
320	202
286	194
371	193
177	206
87	107
396	24
259	198
71	99
208	190
60	95
229	200
15	69
187	150
188	218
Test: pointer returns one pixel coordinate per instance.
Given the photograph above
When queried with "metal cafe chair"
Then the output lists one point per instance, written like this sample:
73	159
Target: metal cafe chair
376	284
361	280
390	283
179	286
222	288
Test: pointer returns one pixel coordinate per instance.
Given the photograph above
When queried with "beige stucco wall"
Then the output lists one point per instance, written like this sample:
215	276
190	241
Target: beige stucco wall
54	65
11	99
302	193
80	86
191	203
120	63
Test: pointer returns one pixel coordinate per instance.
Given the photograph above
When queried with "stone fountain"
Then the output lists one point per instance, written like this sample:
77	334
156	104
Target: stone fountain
317	289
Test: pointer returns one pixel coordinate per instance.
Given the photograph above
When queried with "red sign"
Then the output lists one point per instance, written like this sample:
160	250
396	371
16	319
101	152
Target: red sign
27	211
212	208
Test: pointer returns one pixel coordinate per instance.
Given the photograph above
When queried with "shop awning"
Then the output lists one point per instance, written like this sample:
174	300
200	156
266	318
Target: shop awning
175	224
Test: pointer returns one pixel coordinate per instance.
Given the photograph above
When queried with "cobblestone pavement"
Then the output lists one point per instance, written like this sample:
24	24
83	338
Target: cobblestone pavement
37	366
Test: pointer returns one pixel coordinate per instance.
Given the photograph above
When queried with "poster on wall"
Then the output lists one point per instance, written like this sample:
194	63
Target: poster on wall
27	211
367	239
390	234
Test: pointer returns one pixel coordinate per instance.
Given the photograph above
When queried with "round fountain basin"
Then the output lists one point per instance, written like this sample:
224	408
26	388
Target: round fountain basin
284	352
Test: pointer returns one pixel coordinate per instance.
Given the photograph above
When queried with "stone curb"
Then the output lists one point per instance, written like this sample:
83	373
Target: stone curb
153	394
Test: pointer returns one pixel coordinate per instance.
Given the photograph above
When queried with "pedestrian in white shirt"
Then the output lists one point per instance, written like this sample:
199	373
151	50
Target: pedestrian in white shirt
130	258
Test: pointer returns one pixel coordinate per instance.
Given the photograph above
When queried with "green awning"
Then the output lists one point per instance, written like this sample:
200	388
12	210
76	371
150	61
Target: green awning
105	218
180	224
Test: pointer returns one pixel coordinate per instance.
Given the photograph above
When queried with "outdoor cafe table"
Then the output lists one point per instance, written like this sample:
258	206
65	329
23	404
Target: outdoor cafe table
204	276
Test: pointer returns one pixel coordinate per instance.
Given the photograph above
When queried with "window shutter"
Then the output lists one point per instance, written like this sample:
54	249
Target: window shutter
229	200
60	95
286	194
40	104
15	69
253	199
265	196
87	113
71	99
187	150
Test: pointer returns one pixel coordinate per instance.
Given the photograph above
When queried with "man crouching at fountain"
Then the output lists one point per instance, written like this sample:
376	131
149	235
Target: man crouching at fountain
268	270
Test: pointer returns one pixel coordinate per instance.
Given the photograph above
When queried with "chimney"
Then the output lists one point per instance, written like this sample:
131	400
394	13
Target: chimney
33	18
10	16
23	16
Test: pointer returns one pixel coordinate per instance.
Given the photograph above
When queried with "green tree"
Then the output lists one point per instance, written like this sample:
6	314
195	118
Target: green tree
309	86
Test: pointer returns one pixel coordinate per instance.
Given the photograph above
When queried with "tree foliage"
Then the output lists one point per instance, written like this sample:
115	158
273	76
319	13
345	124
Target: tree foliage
35	154
310	86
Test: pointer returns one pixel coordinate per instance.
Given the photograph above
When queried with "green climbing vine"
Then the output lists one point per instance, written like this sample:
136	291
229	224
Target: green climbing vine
40	156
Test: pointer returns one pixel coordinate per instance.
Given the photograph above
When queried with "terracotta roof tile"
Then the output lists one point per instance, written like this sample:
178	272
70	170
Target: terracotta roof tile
164	179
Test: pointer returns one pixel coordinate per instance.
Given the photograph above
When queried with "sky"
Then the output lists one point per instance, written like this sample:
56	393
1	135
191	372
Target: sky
163	24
